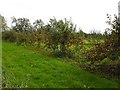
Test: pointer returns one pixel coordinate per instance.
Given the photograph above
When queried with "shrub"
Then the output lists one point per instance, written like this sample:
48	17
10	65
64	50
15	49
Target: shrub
20	38
10	35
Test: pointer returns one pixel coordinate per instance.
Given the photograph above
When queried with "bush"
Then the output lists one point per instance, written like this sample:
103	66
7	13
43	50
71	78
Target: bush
20	38
9	35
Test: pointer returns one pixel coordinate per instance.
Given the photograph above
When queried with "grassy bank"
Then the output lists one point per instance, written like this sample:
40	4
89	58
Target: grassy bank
26	68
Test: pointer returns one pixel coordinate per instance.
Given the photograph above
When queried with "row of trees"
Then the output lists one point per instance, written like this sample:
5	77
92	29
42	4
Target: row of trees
59	35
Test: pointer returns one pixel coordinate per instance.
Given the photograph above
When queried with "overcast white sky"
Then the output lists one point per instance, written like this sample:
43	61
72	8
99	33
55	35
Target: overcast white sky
87	14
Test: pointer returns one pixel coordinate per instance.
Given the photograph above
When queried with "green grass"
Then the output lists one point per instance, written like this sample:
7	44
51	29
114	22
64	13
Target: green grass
23	67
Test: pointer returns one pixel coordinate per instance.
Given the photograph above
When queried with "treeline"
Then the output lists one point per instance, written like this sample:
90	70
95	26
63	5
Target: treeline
57	35
60	35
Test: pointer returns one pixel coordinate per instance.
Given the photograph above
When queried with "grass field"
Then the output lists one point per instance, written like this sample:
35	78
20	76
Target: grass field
23	67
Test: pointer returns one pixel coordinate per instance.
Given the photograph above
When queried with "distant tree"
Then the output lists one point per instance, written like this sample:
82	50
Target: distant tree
21	24
106	34
38	24
95	34
82	33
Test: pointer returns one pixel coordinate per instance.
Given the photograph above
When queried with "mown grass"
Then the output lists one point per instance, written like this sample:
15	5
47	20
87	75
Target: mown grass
26	68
